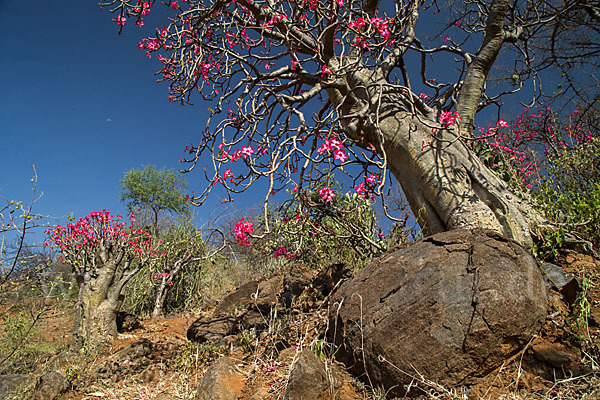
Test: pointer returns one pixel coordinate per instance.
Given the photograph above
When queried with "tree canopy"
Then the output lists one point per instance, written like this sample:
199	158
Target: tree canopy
153	190
303	89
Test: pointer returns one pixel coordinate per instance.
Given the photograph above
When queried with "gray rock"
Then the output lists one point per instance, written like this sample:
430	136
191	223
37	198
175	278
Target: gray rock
50	386
9	384
244	308
566	284
554	354
450	306
211	328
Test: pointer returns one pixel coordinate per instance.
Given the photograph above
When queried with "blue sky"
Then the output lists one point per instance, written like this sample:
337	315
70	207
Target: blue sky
81	103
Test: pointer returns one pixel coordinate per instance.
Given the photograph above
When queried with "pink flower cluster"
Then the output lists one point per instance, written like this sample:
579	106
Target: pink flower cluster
143	8
325	71
275	19
449	118
120	20
245	151
101	229
363	189
282	251
241	231
326	193
380	25
335	146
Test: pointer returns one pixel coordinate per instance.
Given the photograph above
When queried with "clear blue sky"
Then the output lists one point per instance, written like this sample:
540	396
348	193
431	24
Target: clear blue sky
82	103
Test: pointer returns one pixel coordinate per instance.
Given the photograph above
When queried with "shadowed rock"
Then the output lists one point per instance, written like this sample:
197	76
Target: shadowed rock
448	307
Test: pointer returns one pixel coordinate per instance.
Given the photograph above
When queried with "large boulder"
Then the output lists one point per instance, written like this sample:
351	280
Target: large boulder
451	306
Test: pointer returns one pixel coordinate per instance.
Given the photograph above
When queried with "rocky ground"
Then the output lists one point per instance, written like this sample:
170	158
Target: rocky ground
269	340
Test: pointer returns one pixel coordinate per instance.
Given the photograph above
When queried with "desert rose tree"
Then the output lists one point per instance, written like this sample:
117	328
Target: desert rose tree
302	89
105	253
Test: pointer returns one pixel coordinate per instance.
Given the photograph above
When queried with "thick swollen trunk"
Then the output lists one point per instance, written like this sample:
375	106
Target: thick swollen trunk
446	184
97	307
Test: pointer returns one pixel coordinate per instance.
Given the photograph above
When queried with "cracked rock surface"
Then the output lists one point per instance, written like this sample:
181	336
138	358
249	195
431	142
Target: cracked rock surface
453	305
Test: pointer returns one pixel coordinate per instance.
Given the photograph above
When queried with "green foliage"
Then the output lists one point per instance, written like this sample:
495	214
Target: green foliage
19	352
555	165
311	230
324	350
569	195
154	191
247	339
579	318
197	282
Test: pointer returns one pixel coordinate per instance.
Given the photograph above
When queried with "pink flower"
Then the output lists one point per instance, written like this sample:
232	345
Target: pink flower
340	155
360	22
382	27
340	3
227	173
280	251
326	193
502	123
360	188
325	71
174	5
446	39
241	231
449	118
146	8
330	145
247	151
423	97
120	20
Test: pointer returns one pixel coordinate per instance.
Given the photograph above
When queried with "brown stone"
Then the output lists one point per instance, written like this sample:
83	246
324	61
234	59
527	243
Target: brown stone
454	305
221	382
310	380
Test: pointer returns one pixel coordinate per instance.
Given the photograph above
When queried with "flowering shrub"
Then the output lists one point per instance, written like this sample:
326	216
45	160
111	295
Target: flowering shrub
554	164
326	225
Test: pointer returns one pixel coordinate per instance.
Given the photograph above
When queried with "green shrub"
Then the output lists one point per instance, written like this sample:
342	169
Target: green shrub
569	195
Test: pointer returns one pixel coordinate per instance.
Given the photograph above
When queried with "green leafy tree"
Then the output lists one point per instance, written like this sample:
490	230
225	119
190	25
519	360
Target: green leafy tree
152	191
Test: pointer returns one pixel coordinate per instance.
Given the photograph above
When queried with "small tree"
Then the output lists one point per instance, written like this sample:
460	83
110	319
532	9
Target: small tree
154	191
183	245
105	254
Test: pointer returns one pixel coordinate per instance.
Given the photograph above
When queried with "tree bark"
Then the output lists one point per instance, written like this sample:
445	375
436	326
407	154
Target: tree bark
98	303
161	294
159	301
446	184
